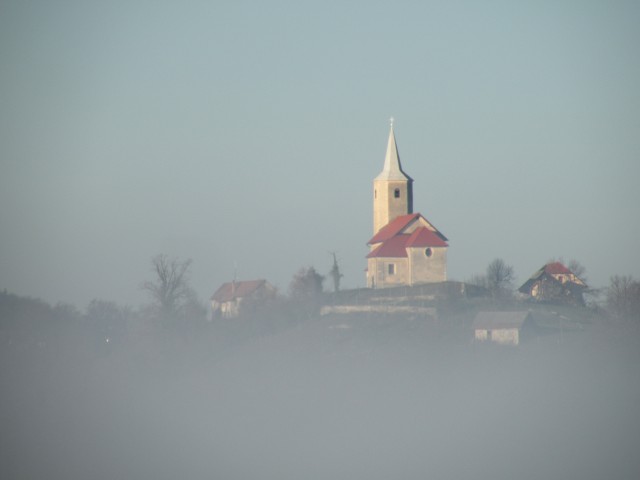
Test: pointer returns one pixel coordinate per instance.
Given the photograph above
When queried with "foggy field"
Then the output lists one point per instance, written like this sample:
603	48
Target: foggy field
343	397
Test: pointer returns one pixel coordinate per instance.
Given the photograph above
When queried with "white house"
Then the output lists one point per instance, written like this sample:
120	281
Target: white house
226	301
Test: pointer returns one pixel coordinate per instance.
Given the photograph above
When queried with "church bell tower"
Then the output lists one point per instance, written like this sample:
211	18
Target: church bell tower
392	188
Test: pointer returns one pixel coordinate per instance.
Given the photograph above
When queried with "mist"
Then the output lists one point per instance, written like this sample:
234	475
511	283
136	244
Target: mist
358	397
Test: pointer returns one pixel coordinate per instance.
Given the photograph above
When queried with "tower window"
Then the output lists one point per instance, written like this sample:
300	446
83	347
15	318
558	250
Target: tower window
391	268
428	252
396	193
375	194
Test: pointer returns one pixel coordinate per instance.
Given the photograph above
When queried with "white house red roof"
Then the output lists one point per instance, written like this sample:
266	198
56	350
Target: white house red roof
550	269
231	290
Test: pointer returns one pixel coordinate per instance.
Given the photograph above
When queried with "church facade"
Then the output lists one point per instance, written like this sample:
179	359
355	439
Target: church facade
406	249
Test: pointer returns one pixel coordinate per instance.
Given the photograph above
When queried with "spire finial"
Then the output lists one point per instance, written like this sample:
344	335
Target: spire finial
391	122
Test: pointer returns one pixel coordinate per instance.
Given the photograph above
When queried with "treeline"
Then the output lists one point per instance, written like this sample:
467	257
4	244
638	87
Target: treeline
174	310
623	297
619	300
174	319
30	324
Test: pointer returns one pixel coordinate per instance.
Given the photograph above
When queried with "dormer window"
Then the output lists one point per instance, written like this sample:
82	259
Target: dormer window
396	193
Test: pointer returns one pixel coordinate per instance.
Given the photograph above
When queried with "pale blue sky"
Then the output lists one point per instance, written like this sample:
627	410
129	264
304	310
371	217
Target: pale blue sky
249	133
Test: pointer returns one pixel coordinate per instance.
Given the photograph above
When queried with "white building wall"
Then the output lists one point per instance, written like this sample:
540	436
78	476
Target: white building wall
502	336
426	269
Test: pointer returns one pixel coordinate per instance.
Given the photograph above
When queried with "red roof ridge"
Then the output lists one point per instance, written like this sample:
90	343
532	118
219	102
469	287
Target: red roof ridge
393	228
423	237
556	268
394	247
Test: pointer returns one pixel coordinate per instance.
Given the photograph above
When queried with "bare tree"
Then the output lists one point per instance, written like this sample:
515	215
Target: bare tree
499	276
623	297
578	269
335	273
170	290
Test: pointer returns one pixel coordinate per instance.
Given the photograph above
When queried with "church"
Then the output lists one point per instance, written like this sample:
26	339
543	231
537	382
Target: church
406	249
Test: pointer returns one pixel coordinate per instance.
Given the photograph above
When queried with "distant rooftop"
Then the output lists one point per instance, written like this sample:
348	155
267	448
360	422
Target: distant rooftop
500	320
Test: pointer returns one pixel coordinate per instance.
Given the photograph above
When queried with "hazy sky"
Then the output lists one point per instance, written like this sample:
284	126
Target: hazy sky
248	134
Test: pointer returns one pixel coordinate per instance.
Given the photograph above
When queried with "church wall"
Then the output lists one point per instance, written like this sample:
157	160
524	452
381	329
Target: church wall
378	270
426	269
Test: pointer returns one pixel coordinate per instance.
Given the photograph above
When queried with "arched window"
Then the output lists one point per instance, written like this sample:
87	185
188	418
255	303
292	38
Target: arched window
396	193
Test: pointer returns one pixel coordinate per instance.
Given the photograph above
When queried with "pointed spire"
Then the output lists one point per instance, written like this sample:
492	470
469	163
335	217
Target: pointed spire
392	169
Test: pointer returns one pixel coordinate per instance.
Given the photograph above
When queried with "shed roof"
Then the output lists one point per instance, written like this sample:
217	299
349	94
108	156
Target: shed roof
500	320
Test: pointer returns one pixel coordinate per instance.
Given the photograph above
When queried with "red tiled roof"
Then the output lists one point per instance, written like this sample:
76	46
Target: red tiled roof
393	228
556	268
423	237
394	247
232	290
397	246
398	225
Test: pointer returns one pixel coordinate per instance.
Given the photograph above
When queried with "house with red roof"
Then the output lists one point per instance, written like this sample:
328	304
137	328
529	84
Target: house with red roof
406	249
228	299
554	282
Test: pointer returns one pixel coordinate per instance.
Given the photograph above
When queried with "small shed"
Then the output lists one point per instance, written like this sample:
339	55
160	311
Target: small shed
226	301
505	328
